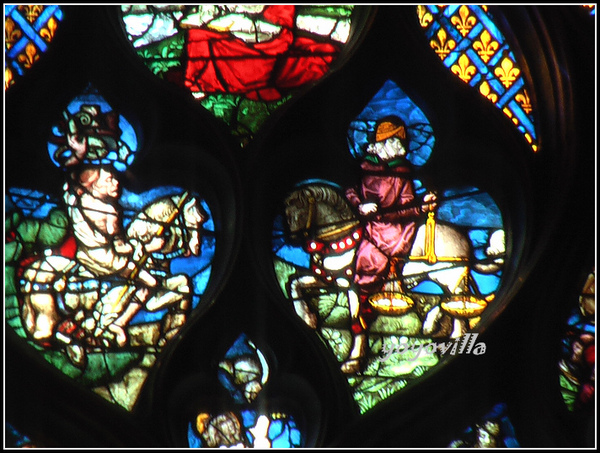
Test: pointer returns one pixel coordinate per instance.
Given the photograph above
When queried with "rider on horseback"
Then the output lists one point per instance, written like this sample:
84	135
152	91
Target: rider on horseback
385	200
72	300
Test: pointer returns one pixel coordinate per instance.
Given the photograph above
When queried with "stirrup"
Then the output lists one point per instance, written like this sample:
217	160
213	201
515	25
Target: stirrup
351	366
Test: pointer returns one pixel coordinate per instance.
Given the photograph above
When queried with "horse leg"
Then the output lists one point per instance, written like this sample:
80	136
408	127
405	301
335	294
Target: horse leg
174	321
40	312
459	328
40	315
431	320
300	304
353	363
42	322
177	288
176	317
177	299
119	325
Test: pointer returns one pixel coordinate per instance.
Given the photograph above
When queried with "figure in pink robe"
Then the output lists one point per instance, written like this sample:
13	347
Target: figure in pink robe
387	204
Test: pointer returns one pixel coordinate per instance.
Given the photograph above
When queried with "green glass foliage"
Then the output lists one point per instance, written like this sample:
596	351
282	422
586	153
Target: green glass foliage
219	53
99	280
397	290
578	349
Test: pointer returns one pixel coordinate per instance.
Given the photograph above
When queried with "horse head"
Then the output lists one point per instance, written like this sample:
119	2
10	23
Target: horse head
317	210
177	219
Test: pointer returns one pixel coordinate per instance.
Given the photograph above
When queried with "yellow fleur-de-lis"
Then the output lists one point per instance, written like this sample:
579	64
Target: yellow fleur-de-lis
486	47
529	139
31	12
8	78
425	17
507	72
11	33
443	46
523	99
465	22
464	69
509	113
29	57
486	92
48	33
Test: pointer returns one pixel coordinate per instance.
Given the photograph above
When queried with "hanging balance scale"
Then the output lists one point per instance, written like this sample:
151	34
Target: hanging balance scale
392	300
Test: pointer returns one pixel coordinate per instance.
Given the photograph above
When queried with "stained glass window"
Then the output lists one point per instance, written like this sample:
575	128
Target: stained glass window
100	280
578	361
241	62
382	268
251	421
495	430
28	30
14	439
371	257
592	9
471	45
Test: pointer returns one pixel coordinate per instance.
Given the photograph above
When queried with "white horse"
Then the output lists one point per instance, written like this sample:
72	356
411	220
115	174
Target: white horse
323	219
61	292
432	257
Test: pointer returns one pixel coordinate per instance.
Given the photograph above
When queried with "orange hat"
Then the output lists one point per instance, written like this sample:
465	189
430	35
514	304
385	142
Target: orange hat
388	129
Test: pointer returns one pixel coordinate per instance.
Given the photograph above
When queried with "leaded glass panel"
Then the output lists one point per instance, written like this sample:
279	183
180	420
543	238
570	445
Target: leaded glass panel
494	430
241	62
381	269
472	47
102	278
250	421
578	356
28	30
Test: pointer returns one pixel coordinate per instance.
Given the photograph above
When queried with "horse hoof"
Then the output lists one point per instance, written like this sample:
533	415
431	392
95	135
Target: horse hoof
311	321
352	366
77	355
119	333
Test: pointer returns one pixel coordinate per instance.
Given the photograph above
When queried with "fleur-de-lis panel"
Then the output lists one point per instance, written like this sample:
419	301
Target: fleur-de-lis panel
241	62
28	29
592	9
471	46
16	439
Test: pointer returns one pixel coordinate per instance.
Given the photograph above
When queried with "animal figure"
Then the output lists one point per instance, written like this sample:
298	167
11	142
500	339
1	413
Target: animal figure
443	255
64	302
322	219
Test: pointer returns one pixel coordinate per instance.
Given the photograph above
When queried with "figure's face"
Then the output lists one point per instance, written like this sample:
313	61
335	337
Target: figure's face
387	149
106	185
